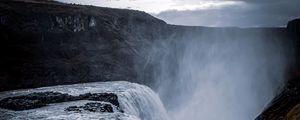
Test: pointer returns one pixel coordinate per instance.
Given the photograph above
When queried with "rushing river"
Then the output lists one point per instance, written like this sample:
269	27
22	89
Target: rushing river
138	102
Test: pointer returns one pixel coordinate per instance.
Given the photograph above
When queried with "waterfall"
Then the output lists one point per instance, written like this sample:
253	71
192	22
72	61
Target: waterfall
138	102
141	101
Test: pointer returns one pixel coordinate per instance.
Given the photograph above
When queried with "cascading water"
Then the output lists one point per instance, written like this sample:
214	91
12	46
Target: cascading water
141	101
138	102
222	74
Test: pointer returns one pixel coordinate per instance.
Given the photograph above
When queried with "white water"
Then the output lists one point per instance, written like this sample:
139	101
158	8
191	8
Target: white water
138	102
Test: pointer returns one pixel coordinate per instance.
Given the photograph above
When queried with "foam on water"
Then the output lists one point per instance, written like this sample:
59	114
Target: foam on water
138	102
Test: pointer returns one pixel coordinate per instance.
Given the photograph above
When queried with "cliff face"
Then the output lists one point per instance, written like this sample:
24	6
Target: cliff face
293	29
53	43
48	43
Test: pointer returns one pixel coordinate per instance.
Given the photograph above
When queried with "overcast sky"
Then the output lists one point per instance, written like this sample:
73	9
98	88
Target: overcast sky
241	13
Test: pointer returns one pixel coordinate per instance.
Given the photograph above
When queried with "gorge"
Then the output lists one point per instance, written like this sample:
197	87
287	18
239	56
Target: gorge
195	72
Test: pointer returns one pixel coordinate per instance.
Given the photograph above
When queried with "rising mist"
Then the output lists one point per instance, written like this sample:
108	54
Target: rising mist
219	74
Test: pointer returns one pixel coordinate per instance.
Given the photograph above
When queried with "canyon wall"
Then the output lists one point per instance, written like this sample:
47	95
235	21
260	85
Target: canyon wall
48	43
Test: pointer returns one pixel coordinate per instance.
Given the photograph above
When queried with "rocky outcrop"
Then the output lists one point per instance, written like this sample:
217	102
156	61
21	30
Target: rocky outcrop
36	100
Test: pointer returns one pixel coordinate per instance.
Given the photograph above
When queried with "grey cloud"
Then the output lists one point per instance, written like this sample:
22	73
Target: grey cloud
258	14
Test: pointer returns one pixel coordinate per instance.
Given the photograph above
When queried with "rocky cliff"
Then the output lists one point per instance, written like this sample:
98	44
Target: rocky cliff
49	43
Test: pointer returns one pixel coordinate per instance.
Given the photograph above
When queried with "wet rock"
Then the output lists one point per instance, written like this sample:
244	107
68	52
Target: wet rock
36	100
286	105
106	97
98	107
33	100
73	108
20	104
92	107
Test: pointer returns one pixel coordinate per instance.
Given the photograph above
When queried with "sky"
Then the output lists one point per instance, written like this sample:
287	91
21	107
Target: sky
214	13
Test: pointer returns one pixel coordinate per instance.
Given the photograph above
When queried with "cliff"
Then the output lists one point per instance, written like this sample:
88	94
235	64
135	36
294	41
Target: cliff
49	43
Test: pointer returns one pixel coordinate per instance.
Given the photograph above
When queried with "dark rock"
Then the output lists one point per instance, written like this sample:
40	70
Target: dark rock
282	105
294	26
59	43
73	108
36	100
98	107
293	29
33	100
106	97
92	107
21	104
